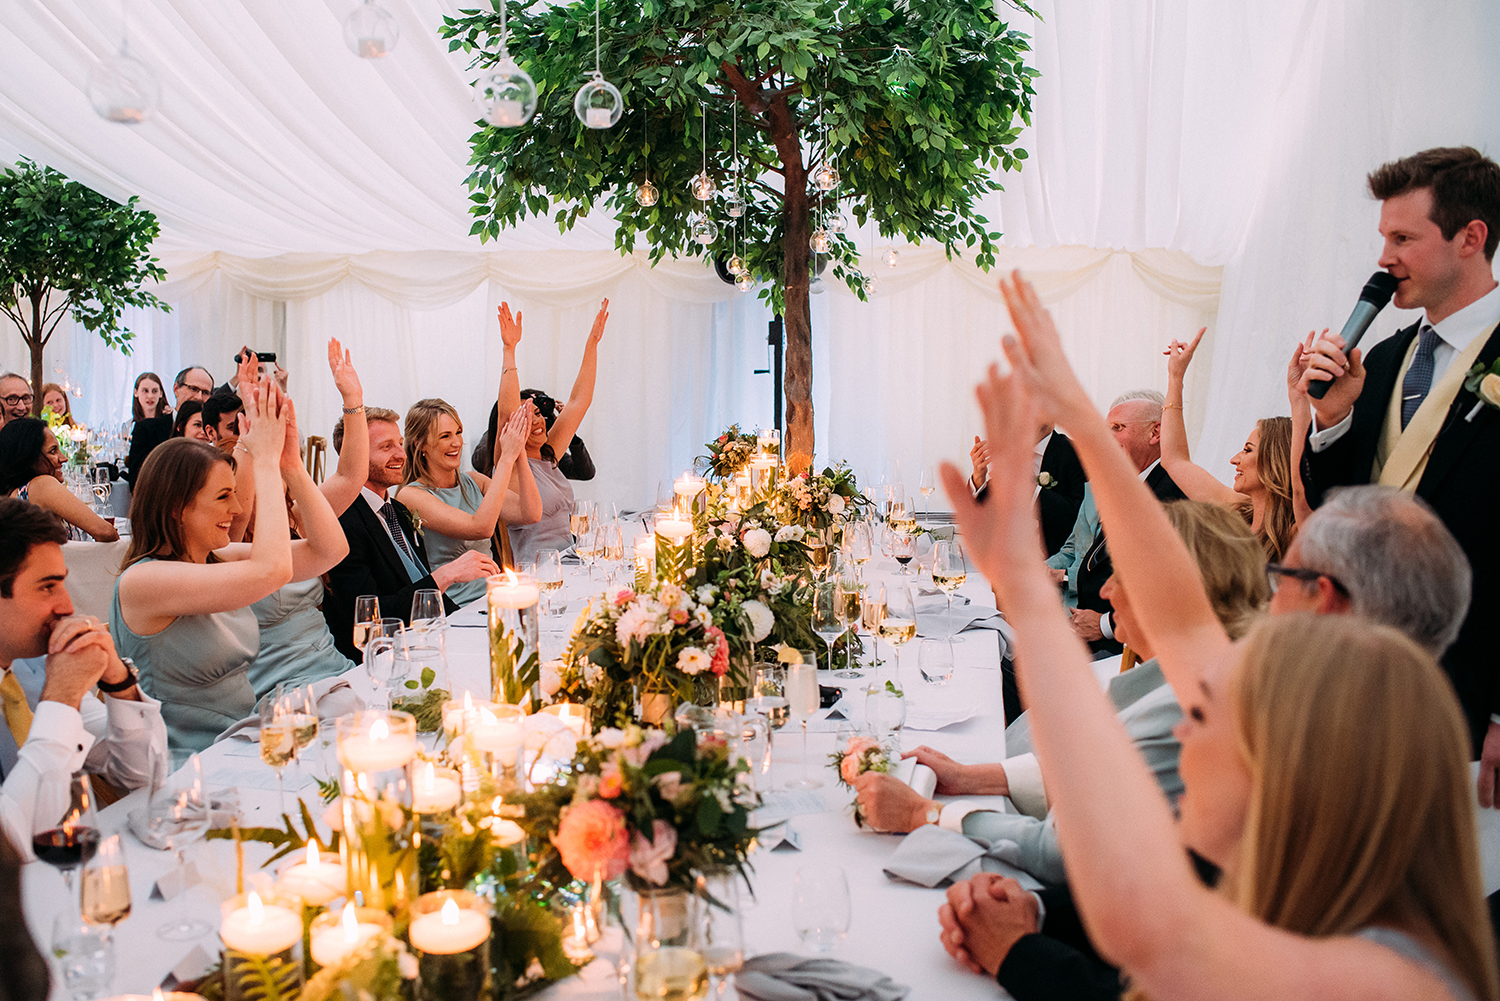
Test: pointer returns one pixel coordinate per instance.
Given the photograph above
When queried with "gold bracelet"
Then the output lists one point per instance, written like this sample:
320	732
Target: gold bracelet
1171	406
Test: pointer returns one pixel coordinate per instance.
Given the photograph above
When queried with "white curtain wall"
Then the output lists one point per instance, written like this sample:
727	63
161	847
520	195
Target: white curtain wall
679	359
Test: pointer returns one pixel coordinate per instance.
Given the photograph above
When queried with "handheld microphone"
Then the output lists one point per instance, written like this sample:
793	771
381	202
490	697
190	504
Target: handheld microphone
1372	299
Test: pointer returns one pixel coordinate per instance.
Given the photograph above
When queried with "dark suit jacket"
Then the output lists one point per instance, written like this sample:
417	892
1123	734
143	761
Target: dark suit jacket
1461	483
145	436
1059	503
373	566
1097	567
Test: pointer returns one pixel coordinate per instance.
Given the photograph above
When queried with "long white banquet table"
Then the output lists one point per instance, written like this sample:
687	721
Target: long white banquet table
894	927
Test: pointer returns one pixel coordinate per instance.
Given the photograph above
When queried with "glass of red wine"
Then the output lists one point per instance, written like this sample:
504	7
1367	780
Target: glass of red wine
65	831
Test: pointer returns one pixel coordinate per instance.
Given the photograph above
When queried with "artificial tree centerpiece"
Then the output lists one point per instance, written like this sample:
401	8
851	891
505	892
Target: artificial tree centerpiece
749	129
65	248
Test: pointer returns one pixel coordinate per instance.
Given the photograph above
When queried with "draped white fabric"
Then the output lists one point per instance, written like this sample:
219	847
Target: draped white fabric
1167	131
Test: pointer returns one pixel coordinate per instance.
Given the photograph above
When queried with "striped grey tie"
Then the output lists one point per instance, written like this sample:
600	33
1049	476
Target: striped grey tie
388	512
1419	376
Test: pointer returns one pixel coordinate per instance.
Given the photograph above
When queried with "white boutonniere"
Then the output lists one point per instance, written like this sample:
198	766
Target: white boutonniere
1485	384
1046	481
416	522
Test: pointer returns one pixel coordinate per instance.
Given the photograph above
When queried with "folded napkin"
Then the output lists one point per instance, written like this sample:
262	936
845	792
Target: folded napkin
785	976
223	808
934	856
335	697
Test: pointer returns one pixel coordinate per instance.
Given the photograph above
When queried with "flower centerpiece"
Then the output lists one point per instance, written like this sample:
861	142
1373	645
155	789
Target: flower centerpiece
729	453
817	502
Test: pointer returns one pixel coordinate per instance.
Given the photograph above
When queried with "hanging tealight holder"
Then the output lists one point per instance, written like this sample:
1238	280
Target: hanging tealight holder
598	103
506	95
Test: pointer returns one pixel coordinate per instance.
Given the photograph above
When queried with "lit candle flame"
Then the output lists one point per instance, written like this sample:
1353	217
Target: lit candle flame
450	912
156	994
495	807
468	702
254	906
351	925
380	730
313	861
430	778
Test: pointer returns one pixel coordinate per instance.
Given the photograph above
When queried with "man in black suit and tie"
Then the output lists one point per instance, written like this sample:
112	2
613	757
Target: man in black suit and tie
1401	415
1059	482
387	556
1135	421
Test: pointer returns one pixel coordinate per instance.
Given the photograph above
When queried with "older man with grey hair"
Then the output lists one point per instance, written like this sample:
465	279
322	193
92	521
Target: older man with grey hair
15	397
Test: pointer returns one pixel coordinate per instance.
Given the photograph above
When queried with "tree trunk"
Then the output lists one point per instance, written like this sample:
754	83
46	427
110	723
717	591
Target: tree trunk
797	317
37	346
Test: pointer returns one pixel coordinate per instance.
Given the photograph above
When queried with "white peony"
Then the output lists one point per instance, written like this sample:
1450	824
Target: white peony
835	505
692	661
758	542
761	620
635	624
791	533
706	595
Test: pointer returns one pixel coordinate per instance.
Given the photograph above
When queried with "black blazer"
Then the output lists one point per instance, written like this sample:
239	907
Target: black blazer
373	566
145	436
1461	483
1059	503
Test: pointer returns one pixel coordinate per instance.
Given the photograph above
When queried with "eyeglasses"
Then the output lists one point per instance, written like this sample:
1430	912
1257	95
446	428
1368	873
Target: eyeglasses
12	401
196	390
1276	571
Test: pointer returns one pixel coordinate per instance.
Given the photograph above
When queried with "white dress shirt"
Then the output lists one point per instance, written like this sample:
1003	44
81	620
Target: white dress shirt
120	740
1455	333
377	502
1036	467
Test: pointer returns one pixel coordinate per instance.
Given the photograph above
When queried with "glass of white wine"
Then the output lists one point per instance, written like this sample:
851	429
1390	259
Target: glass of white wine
949	573
366	614
106	885
668	967
583	519
860	546
871	614
803	701
278	744
590	547
847	595
298	704
826	620
899	624
549	576
926	486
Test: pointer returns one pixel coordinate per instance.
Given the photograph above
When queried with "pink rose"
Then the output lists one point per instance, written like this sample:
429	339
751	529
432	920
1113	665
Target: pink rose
849	767
720	665
591	837
610	782
648	859
624	596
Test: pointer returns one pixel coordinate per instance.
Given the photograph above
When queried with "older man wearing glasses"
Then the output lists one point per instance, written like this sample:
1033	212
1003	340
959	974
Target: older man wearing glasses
15	397
193	383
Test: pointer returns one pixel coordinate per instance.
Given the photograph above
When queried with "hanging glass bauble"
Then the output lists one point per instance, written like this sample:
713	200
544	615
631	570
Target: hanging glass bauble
506	95
825	178
702	186
736	265
124	89
816	287
598	103
705	230
744	282
836	224
890	258
734	204
371	32
646	194
871	284
819	241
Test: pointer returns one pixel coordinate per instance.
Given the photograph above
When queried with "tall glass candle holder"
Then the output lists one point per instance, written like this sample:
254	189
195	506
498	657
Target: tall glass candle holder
450	931
513	601
317	877
645	561
262	935
337	933
762	476
674	547
376	749
494	737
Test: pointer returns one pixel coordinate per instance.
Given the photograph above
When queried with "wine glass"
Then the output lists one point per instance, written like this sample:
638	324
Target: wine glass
948	574
871	614
366	613
926	485
820	906
935	661
298	704
549	575
588	547
106	885
903	548
719	932
826	621
380	661
885	714
768	699
65	826
613	542
582	519
177	815
859	542
278	742
802	701
847	594
427	608
83	956
899	623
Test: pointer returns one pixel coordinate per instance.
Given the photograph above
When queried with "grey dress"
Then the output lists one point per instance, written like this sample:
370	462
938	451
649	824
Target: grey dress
197	668
467	497
554	530
295	644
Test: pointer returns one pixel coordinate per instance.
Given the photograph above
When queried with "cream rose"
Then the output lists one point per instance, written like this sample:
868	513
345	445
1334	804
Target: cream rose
761	620
1489	389
758	542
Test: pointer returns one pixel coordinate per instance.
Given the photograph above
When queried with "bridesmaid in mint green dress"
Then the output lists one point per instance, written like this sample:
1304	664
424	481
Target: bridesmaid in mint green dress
459	509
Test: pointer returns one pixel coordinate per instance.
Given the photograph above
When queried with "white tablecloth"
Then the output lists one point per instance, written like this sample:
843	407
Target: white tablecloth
894	927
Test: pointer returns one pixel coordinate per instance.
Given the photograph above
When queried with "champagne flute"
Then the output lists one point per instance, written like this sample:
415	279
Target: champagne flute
719	932
614	544
903	548
948	574
366	613
826	621
803	701
65	826
106	885
278	743
582	519
899	623
549	575
871	614
299	705
427	609
926	485
177	814
847	593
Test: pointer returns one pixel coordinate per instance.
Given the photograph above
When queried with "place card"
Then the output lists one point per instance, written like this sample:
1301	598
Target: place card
189	969
780	839
175	881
